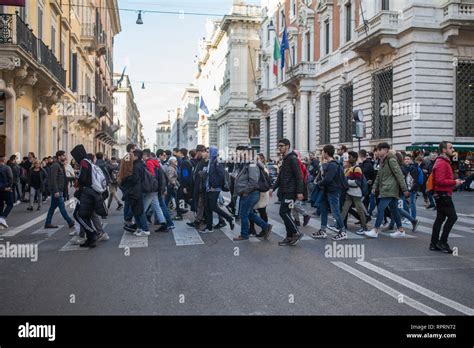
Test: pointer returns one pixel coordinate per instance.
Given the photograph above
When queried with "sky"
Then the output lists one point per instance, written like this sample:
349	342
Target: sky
161	52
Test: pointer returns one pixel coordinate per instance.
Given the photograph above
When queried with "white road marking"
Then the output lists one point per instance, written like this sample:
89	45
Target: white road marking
69	246
131	241
429	230
49	232
187	236
386	289
415	287
235	233
16	230
432	218
456	226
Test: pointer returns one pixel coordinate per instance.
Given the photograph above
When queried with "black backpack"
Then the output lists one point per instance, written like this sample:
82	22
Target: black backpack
149	183
342	177
264	181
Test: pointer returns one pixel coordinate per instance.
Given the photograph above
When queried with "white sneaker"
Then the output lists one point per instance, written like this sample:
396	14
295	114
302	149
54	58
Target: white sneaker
74	233
78	241
103	237
3	222
398	234
371	234
406	222
141	233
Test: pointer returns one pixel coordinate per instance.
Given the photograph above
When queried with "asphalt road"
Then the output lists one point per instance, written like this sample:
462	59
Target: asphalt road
212	275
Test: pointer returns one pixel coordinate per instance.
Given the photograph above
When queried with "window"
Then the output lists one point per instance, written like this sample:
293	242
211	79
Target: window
40	20
53	34
293	56
280	124
293	8
327	39
62	57
385	5
308	46
74	72
324	119
382	96
345	108
348	21
267	123
282	19
465	99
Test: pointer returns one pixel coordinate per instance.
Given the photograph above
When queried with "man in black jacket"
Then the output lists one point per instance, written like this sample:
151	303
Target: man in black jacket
290	187
199	194
185	172
57	184
370	174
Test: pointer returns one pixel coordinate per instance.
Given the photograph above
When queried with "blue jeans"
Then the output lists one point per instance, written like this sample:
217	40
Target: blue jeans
152	199
166	213
412	209
384	203
372	203
331	200
247	213
431	199
58	203
141	222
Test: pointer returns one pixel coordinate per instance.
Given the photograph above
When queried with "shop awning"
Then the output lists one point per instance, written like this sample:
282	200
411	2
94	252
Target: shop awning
460	147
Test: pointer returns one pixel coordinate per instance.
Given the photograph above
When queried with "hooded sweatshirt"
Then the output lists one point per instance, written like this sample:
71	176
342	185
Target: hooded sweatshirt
215	171
152	164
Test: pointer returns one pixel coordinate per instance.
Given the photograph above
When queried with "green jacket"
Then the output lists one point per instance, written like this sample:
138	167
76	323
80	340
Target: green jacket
390	179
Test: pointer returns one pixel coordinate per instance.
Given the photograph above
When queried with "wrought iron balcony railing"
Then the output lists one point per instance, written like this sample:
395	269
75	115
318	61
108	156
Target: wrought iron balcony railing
13	31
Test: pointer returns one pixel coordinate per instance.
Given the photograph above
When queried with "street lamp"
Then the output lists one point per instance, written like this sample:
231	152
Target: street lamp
139	19
358	129
271	26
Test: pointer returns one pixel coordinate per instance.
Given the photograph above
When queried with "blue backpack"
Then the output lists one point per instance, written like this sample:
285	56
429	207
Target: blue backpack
421	176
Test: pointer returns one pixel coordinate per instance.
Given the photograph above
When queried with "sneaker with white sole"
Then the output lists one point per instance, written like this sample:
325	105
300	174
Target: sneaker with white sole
74	233
141	233
78	241
321	234
371	234
3	222
334	228
361	231
340	236
103	237
398	234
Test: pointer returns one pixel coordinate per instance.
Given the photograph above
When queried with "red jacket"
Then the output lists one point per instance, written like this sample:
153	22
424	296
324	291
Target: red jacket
151	164
443	179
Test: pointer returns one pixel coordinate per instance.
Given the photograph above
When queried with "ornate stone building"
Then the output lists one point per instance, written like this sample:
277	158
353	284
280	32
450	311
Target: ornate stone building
408	65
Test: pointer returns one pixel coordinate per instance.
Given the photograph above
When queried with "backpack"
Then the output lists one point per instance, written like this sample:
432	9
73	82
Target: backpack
99	183
364	185
149	183
264	181
430	183
421	176
342	177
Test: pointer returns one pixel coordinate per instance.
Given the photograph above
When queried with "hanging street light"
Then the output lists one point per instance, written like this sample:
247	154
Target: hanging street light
139	19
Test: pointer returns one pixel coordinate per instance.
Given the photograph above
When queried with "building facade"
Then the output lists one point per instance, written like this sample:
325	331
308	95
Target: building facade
52	54
163	135
126	116
190	105
227	78
407	65
176	131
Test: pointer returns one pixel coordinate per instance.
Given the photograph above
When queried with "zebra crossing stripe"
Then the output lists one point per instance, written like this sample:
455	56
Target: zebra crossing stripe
432	217
421	290
456	226
387	289
49	231
280	229
429	230
235	233
186	236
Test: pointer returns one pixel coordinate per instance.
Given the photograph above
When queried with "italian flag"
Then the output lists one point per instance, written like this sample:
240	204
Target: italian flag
276	57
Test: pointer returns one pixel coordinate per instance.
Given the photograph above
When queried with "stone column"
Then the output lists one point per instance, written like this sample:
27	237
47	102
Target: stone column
302	123
312	122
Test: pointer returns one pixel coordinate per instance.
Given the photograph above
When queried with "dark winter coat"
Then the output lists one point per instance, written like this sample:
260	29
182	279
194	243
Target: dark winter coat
290	179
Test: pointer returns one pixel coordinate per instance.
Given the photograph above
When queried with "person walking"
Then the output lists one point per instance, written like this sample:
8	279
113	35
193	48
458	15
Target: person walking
173	184
332	184
388	184
198	189
126	185
16	171
113	169
213	183
290	188
136	196
6	194
443	186
57	184
185	169
151	199
36	182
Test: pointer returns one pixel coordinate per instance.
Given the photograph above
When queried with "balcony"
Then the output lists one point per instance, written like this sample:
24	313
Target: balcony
264	98
300	71
15	35
456	15
106	133
90	36
382	29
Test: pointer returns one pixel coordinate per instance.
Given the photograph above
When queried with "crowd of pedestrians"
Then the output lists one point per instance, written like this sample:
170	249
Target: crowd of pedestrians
159	188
